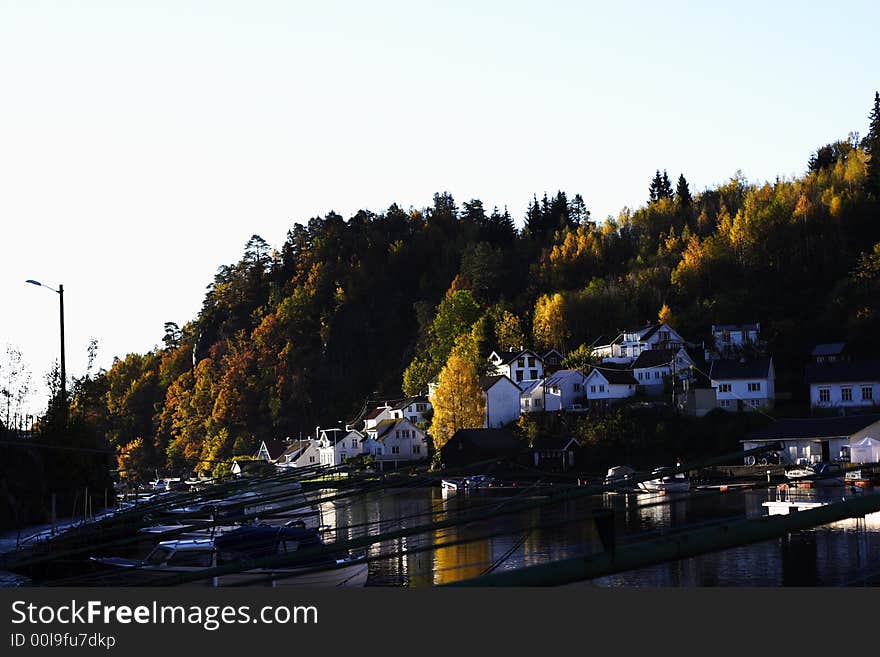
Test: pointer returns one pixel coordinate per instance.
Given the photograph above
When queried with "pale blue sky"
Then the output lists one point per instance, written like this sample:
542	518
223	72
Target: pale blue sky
141	144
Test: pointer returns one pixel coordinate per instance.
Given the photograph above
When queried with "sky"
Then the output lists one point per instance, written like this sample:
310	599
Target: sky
142	144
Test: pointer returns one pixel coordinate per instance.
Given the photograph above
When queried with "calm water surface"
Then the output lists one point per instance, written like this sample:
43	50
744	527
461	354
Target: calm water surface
844	553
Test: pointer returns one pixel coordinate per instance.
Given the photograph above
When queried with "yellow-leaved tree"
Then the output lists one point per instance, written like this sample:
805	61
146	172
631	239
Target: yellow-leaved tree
458	401
549	326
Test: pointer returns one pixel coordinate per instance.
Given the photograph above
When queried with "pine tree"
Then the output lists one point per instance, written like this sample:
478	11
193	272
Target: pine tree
872	146
656	186
665	186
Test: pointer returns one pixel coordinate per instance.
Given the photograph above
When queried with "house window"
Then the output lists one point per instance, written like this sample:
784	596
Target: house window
754	387
537	403
601	387
531	361
417	449
755	402
623	350
577	388
656	375
520	362
527	403
519	375
311	459
354	444
867	393
640	376
846	394
825	395
724	387
533	374
395	449
342	455
420	408
724	403
592	388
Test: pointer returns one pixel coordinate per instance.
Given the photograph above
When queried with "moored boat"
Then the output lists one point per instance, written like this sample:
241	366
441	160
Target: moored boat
665	482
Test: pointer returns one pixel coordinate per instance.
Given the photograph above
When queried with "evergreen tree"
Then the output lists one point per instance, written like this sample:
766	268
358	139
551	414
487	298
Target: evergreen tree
666	186
656	186
872	147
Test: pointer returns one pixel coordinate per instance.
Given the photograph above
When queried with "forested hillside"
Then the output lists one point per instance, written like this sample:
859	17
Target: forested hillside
370	306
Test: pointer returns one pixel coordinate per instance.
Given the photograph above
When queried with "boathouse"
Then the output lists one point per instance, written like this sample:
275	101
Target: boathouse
815	439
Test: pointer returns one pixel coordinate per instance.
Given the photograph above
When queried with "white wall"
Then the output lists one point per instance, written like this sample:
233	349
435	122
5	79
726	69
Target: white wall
835	390
740	390
502	404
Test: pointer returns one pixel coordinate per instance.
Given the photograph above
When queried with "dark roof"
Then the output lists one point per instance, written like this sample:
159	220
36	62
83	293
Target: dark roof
736	327
813	427
654	358
617	376
376	412
295	449
403	403
745	368
651	331
275	448
828	349
486	382
560	376
385	426
334	435
495	439
842	371
550	442
510	356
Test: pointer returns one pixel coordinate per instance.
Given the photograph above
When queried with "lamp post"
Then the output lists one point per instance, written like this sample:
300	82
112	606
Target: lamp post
60	293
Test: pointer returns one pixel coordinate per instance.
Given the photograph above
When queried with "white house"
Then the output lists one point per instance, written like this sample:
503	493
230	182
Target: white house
270	450
300	454
395	440
656	366
817	439
730	339
377	415
627	346
524	365
844	384
336	445
564	389
829	352
531	397
605	385
744	383
502	399
413	409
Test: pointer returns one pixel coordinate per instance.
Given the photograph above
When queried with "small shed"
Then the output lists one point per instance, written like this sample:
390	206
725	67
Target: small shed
469	446
556	454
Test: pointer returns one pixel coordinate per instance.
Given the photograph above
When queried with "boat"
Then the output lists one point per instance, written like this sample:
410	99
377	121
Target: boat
816	474
473	482
191	555
665	482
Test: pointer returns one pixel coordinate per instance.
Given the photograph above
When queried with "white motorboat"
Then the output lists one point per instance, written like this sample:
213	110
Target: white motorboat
188	556
666	483
817	474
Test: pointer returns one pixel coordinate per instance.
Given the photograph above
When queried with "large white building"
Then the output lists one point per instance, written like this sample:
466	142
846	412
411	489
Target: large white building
502	399
524	365
744	384
627	346
844	384
395	440
336	445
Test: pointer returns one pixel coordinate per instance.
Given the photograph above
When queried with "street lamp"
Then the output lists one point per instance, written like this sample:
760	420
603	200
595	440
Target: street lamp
60	293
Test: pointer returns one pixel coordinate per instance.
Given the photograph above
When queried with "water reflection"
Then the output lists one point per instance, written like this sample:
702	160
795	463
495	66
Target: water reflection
841	553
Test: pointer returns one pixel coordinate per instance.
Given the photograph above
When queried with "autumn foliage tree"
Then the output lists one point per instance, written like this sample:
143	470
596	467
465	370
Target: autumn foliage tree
458	401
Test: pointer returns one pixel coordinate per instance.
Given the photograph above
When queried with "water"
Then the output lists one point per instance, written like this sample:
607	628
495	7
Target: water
844	553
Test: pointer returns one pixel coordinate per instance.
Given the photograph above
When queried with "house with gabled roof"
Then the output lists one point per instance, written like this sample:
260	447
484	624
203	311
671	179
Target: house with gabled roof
564	390
395	440
531	396
654	367
376	415
844	385
522	365
627	346
605	385
300	454
829	352
337	445
270	450
502	400
729	340
415	409
743	384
